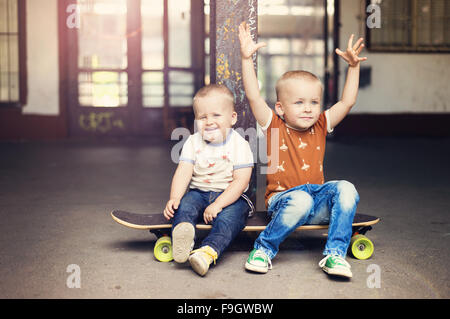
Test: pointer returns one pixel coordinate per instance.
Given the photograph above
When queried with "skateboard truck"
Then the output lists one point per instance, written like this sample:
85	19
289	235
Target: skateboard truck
360	230
159	232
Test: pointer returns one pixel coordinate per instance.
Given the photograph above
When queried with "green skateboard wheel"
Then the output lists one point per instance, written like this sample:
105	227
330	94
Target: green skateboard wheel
163	249
361	247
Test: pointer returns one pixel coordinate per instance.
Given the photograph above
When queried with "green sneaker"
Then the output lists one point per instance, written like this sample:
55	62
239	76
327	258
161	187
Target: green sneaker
336	265
258	261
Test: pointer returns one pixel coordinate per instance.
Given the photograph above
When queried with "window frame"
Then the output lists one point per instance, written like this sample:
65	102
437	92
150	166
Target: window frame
411	48
330	39
23	88
134	118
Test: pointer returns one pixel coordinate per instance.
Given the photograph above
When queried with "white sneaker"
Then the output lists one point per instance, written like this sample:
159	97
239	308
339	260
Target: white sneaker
201	258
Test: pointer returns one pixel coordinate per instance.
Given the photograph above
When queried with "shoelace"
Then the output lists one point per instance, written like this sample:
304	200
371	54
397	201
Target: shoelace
213	255
261	254
339	259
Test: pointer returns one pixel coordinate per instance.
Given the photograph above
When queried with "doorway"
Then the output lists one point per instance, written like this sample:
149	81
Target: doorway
133	66
300	35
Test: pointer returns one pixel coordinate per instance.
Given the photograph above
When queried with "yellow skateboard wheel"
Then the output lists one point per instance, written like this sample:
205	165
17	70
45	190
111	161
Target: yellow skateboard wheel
163	249
361	247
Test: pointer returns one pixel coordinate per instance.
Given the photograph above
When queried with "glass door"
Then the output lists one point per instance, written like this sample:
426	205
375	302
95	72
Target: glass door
133	66
299	36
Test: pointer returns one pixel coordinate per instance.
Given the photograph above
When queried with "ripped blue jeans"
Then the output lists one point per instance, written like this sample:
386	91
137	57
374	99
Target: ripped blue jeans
332	203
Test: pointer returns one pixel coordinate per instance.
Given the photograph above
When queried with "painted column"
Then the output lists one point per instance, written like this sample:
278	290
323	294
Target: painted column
226	15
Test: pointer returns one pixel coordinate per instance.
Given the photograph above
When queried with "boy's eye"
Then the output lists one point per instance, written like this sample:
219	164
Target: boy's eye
315	102
299	102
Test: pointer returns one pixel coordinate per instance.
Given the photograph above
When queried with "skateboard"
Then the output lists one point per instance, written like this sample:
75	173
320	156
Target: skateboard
361	247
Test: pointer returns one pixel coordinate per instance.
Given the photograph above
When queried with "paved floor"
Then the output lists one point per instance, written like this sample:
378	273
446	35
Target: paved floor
55	200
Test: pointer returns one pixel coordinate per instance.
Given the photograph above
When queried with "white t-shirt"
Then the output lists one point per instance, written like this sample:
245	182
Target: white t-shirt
214	163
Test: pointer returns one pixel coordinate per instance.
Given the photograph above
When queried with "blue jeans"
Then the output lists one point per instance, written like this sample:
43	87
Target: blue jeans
332	203
225	227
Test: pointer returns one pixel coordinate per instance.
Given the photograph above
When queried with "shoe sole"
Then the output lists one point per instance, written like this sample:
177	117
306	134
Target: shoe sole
337	272
182	238
256	268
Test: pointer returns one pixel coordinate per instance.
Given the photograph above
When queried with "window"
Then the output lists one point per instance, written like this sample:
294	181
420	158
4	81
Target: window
102	54
293	31
167	51
133	65
411	26
12	50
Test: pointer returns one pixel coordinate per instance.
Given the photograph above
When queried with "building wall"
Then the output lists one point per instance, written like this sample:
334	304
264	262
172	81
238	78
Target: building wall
44	116
401	82
42	58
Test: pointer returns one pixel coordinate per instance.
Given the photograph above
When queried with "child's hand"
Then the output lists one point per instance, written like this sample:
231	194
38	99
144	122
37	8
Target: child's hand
248	46
171	205
352	52
211	212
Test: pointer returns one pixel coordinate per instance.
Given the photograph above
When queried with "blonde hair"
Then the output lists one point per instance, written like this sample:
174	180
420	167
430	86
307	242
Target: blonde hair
215	88
298	75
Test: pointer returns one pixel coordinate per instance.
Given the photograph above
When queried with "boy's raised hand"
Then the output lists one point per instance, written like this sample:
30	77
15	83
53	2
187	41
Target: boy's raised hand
248	46
351	55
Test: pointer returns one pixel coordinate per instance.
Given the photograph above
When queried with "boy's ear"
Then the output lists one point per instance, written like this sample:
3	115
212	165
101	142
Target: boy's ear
233	118
279	108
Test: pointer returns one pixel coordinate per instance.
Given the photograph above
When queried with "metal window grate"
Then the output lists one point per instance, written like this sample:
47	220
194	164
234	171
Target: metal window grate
9	52
294	33
411	26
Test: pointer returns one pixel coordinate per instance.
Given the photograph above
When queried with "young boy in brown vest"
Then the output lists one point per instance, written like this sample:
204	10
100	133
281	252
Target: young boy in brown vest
296	194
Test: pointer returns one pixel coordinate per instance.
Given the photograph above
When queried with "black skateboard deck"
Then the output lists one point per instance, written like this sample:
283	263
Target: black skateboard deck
361	247
255	223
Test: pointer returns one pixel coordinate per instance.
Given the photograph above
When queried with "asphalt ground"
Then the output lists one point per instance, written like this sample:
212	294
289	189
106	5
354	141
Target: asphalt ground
56	199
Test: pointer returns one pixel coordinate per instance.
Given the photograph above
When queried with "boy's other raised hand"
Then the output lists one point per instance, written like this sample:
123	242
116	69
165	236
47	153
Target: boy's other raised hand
248	46
351	55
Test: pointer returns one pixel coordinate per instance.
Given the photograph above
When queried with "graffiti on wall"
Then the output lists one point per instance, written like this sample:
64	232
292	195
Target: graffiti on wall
100	122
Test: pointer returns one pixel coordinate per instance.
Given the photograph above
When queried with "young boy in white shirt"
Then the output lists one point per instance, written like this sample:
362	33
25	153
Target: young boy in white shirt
216	163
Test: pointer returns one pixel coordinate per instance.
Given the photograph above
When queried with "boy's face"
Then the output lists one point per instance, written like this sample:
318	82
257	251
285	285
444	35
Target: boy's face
299	103
214	117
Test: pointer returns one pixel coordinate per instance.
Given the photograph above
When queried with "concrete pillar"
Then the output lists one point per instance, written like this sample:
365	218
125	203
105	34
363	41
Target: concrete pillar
226	15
